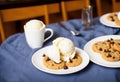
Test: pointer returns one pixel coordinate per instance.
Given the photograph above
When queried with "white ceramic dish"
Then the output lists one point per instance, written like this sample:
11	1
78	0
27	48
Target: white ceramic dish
103	20
37	60
96	57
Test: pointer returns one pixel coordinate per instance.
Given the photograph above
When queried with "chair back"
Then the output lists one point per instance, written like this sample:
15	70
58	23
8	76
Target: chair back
116	5
72	5
22	13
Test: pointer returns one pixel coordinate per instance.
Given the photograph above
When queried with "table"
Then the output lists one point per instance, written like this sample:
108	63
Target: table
16	65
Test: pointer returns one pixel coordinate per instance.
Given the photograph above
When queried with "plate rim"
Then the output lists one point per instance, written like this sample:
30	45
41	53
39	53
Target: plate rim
100	38
103	18
61	71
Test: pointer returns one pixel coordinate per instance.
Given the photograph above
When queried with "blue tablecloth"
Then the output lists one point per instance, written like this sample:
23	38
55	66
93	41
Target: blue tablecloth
16	65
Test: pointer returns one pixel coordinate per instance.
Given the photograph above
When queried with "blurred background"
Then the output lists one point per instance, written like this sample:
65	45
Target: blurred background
54	11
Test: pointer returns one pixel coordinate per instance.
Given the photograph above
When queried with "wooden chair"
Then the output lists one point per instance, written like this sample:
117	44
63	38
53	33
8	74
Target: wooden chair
98	5
116	5
2	34
111	6
15	14
72	5
54	12
103	7
22	13
53	8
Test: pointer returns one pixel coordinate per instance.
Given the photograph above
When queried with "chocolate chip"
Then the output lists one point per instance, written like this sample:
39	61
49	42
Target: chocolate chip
43	55
71	61
108	51
109	55
52	64
112	42
48	59
75	57
100	49
65	67
105	50
113	57
112	19
111	39
108	40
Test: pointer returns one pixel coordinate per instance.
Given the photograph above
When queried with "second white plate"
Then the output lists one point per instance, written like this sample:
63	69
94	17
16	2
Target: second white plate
37	60
103	20
96	57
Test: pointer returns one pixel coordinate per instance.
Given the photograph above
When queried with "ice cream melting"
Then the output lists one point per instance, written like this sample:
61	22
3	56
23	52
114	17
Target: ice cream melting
65	47
53	53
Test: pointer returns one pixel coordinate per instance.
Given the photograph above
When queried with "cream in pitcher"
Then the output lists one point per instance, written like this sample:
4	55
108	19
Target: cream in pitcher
34	33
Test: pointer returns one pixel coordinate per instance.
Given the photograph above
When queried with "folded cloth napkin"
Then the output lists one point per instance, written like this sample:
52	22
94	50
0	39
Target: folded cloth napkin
16	65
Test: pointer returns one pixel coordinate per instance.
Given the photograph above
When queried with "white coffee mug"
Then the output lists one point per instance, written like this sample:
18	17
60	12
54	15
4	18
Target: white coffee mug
35	36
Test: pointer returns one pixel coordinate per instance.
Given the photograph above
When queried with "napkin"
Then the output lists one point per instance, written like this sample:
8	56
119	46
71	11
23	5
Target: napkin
15	56
95	31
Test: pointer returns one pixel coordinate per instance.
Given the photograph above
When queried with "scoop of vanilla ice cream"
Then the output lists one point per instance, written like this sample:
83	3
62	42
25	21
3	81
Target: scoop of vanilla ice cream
35	24
66	48
53	53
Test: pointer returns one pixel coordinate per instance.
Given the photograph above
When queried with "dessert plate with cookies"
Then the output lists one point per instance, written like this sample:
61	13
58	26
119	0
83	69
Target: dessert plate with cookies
104	50
111	19
62	57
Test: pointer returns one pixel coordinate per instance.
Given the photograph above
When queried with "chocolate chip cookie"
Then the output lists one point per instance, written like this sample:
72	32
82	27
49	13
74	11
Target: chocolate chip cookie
111	55
51	64
109	49
77	60
100	46
116	45
113	18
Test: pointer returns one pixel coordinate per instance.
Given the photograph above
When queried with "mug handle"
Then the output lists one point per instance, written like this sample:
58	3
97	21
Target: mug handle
51	31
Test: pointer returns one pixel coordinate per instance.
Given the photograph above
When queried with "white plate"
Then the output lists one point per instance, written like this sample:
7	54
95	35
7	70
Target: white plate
103	20
96	57
38	63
